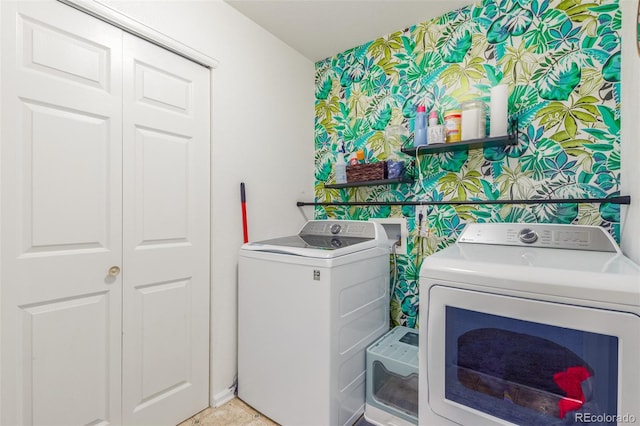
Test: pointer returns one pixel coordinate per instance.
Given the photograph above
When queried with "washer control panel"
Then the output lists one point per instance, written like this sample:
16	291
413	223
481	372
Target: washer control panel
341	228
572	237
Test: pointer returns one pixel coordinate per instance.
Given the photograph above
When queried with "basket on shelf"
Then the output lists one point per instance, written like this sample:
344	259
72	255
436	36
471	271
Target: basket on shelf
367	172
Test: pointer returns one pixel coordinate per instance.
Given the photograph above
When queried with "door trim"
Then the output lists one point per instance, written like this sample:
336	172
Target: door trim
118	19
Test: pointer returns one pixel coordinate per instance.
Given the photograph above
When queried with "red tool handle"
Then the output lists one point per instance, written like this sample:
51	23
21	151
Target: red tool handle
243	202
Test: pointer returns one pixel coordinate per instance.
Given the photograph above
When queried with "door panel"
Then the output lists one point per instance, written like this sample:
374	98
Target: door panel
47	49
157	87
166	307
163	179
47	339
61	200
63	147
166	234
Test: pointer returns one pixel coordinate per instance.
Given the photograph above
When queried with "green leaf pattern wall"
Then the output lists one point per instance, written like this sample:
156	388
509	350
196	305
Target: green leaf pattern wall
561	62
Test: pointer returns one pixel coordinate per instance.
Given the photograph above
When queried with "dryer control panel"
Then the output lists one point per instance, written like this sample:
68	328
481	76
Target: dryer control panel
572	237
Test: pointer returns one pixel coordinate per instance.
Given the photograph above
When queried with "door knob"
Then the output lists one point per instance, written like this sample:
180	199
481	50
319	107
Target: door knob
114	271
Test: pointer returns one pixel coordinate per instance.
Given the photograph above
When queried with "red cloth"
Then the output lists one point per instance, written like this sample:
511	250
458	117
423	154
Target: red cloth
569	381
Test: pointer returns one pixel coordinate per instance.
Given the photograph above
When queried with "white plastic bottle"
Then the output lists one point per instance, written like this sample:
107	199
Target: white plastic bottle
341	166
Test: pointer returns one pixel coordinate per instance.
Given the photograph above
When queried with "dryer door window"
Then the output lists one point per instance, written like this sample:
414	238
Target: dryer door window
529	362
529	373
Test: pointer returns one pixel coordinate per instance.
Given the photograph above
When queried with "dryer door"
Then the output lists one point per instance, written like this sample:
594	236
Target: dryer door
496	359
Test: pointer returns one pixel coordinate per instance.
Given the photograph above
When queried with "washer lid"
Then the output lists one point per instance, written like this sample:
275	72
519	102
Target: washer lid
324	239
312	245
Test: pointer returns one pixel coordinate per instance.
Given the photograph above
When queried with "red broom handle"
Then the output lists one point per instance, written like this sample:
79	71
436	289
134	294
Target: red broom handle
243	202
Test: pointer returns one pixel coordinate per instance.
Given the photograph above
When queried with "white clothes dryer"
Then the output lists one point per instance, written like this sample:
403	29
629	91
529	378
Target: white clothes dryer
529	324
308	307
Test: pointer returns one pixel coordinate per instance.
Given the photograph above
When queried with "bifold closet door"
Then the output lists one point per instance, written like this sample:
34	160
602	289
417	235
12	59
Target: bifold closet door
104	196
166	235
61	197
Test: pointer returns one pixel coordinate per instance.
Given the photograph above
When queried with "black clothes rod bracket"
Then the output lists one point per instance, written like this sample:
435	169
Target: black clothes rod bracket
625	199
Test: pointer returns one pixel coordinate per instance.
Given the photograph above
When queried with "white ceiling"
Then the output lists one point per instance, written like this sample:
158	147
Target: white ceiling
321	28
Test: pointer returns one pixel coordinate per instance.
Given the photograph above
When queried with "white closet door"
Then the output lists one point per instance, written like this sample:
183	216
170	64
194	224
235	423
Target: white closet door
61	217
166	235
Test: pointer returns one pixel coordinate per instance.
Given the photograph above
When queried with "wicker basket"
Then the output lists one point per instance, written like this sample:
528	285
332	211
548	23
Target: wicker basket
367	172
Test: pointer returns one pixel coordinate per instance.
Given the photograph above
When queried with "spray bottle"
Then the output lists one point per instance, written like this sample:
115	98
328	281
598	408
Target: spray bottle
341	165
436	132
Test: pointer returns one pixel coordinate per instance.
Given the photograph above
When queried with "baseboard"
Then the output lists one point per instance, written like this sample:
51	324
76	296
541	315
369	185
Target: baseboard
223	397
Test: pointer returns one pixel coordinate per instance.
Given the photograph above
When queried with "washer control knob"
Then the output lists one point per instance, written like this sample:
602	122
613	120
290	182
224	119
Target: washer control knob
335	228
528	236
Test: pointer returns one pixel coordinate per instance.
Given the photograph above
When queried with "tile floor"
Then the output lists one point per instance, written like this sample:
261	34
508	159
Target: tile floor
237	413
233	413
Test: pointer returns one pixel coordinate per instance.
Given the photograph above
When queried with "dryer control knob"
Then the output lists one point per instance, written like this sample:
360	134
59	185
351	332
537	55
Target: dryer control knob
528	236
335	228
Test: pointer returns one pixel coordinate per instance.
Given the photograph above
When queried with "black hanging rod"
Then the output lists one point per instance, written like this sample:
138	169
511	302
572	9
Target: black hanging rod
625	199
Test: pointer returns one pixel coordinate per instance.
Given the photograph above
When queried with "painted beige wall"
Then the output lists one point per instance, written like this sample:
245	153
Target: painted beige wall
262	129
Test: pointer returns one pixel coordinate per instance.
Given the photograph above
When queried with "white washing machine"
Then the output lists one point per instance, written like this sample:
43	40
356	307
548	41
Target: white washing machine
308	307
529	324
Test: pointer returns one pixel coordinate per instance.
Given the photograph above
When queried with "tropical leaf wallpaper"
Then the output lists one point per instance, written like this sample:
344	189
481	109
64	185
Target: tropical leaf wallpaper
561	62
